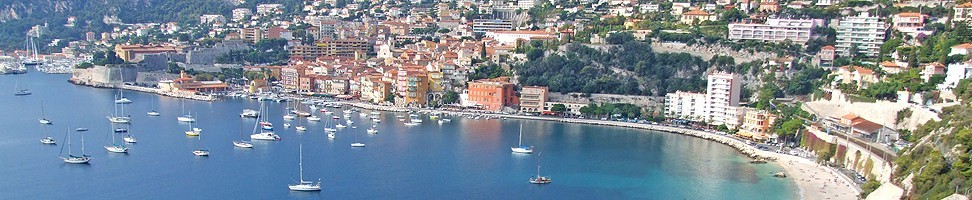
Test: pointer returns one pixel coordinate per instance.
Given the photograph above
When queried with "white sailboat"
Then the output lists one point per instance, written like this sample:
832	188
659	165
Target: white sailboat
43	119
242	143
119	118
327	127
47	139
21	91
372	130
300	128
520	148
152	112
313	118
263	134
121	98
539	179
356	143
304	185
186	117
115	147
201	149
129	138
71	158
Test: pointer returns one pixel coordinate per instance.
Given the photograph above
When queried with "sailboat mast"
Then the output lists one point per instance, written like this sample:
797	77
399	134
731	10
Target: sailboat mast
300	164
538	165
82	144
520	143
69	144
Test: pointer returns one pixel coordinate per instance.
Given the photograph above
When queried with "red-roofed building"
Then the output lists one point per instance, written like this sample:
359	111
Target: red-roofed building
696	15
860	76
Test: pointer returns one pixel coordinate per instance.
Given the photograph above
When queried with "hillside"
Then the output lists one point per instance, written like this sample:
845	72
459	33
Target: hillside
18	16
630	68
939	163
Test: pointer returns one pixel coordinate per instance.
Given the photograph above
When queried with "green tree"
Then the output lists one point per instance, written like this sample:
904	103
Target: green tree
559	108
450	97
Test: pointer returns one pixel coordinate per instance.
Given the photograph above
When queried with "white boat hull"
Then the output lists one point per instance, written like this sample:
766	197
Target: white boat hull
265	136
314	118
301	128
77	160
521	150
48	140
201	152
305	187
356	144
186	119
153	113
242	144
116	149
130	139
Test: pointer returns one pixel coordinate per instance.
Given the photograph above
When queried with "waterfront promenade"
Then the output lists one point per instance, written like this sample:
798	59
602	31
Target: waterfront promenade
815	181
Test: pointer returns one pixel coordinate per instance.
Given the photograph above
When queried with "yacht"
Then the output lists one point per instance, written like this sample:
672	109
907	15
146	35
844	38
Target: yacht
289	117
372	130
115	147
71	158
267	135
153	113
286	125
340	126
23	92
303	185
357	144
186	118
313	118
411	124
201	149
249	113
123	100
376	120
301	128
130	139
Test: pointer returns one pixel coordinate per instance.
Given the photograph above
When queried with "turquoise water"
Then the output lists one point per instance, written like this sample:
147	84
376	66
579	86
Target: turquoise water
464	159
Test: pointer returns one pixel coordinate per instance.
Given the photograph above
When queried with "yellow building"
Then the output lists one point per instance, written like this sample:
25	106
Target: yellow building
130	53
757	124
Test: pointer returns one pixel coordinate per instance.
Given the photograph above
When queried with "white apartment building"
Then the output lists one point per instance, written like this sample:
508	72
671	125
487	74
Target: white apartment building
685	105
865	32
481	26
267	9
775	30
722	95
510	37
718	106
963	12
212	19
910	23
241	14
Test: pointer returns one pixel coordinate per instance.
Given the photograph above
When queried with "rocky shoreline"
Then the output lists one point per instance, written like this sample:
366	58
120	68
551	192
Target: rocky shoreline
144	89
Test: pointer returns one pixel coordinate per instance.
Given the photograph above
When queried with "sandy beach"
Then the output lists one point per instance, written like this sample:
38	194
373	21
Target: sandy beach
817	181
814	181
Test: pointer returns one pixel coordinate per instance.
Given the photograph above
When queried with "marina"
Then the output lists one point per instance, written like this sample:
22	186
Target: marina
648	164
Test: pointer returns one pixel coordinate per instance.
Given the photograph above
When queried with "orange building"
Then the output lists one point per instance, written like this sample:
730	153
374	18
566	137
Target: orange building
186	84
493	94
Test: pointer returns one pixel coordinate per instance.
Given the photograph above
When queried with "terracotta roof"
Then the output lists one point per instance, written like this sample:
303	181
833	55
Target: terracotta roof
868	126
696	12
965	5
889	64
860	69
963	46
850	116
828	47
910	14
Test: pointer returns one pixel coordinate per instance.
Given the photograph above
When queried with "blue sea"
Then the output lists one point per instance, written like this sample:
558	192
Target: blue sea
463	159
